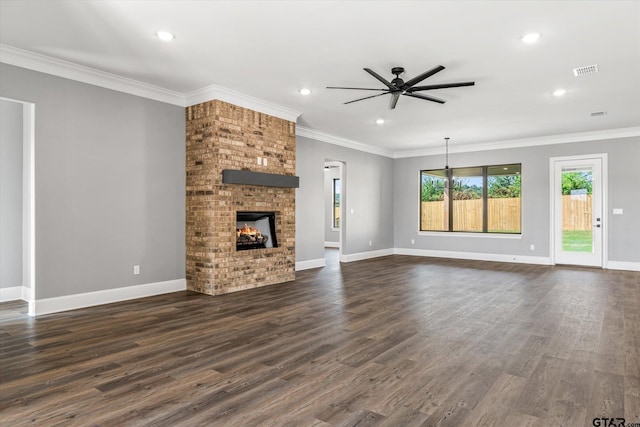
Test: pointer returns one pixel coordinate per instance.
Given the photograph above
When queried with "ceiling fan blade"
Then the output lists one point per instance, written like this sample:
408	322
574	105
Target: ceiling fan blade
428	98
440	86
378	76
354	88
423	76
394	100
367	97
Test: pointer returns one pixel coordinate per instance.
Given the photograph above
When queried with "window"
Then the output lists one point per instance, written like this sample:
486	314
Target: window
467	199
336	203
503	199
482	199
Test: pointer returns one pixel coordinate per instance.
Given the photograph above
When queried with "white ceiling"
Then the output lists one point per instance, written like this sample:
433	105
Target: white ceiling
271	49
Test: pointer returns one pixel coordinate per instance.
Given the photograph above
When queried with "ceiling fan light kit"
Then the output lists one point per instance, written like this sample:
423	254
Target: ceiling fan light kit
397	87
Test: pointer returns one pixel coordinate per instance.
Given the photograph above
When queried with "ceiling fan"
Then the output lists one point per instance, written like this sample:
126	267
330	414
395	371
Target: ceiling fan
397	86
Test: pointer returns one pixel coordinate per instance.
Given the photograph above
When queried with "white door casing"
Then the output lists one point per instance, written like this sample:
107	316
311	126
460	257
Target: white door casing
578	219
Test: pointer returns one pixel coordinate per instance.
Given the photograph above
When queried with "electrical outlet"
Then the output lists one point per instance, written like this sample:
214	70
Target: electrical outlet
264	161
618	211
370	243
413	241
533	247
136	269
259	160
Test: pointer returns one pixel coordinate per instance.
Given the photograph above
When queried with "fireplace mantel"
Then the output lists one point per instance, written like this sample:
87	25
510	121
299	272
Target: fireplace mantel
222	143
232	176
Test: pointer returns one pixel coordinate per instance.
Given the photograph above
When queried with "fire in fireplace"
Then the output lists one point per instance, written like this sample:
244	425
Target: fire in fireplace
255	230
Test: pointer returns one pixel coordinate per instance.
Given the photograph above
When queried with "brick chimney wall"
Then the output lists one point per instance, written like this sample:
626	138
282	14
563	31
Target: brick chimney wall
221	136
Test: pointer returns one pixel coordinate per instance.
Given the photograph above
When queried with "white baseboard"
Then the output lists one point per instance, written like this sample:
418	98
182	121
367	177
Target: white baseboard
522	259
107	296
331	244
366	255
312	263
72	302
11	294
623	265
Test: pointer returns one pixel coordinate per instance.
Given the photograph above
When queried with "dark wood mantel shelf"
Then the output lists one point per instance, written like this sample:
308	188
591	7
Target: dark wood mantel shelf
232	176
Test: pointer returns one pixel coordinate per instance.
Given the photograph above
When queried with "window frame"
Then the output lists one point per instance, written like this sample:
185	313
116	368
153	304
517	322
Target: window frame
448	190
336	204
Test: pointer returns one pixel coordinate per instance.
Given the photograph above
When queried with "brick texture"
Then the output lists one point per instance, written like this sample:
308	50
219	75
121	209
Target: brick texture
221	136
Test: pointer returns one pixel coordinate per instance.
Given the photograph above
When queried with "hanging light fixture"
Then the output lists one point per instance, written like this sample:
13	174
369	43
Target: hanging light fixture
446	164
446	148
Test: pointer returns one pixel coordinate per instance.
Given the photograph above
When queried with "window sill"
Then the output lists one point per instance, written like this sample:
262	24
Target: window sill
463	234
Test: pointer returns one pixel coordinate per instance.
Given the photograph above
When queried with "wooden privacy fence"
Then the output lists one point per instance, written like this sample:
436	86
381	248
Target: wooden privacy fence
576	212
502	214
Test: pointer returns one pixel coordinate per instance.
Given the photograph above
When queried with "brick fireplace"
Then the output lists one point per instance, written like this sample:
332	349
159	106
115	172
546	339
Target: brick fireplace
222	136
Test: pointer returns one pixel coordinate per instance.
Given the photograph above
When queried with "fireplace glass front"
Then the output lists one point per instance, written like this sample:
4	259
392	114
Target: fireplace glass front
255	230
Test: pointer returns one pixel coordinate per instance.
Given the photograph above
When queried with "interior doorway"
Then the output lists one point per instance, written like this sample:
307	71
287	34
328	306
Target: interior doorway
578	210
334	197
23	181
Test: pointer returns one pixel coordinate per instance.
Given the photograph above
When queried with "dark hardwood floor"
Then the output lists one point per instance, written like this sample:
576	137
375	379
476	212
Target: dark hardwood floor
394	341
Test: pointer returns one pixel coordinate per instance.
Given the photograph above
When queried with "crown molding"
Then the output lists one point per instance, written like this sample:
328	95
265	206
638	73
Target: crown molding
57	67
325	137
240	99
68	70
526	142
465	148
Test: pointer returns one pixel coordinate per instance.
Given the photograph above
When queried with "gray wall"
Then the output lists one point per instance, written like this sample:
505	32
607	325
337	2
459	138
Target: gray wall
330	233
623	192
109	184
367	190
10	194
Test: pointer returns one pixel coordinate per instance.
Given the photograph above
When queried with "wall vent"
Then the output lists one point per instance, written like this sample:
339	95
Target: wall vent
598	113
587	69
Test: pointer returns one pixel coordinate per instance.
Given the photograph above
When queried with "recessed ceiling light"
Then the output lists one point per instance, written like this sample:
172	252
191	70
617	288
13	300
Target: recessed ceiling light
380	121
165	36
305	91
559	92
531	38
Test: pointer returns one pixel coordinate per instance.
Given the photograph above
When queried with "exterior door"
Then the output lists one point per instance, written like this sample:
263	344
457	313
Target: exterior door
578	213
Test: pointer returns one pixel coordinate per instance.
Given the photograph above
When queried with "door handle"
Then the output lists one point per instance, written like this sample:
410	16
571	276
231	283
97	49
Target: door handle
597	226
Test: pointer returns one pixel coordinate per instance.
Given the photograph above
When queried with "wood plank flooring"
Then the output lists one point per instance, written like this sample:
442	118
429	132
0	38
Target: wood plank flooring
394	341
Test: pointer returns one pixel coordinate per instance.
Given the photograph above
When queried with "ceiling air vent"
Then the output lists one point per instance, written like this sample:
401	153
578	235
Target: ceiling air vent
587	69
598	113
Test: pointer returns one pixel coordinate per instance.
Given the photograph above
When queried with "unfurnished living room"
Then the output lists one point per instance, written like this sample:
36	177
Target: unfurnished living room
319	213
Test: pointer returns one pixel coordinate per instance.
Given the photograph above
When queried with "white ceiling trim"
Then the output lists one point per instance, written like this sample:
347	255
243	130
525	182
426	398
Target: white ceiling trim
48	65
525	142
336	140
240	99
68	70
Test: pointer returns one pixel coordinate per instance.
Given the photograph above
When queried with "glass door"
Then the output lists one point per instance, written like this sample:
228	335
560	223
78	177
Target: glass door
578	221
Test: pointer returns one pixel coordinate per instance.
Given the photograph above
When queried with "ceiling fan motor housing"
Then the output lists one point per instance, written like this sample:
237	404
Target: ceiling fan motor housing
397	82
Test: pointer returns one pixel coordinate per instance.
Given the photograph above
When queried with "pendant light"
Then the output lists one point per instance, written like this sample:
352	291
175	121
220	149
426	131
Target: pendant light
446	163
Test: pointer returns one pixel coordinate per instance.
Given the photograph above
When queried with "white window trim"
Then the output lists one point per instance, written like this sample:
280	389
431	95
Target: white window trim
464	234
